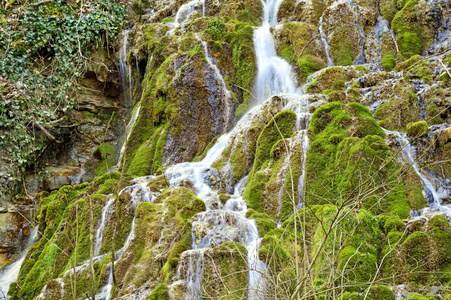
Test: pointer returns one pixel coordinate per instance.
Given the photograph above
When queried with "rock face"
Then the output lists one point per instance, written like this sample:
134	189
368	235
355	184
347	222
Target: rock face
340	190
56	182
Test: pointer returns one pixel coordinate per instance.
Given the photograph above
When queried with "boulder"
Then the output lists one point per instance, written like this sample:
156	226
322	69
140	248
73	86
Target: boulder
56	182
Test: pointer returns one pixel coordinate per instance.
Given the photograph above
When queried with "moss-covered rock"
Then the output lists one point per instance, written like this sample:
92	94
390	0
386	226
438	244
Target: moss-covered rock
417	129
344	137
401	109
414	32
298	44
268	167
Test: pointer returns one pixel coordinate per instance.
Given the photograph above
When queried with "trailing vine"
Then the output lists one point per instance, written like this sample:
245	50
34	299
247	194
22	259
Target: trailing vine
43	51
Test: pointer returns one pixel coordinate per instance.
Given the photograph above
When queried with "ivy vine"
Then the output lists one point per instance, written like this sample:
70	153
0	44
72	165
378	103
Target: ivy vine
43	52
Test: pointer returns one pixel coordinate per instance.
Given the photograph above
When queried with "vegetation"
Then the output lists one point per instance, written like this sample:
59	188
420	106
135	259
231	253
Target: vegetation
44	49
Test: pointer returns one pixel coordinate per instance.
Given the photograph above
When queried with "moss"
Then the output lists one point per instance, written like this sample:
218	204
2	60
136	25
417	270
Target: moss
295	40
361	69
279	128
205	151
413	186
433	115
161	292
413	37
331	78
264	222
408	63
225	272
244	61
392	265
344	48
381	292
390	223
158	184
344	138
143	158
106	153
388	62
401	109
416	296
417	129
414	254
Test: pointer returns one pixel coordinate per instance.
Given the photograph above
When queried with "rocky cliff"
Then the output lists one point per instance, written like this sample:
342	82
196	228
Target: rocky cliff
250	149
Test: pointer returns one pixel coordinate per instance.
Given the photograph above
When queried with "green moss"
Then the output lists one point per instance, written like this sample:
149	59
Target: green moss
279	128
416	296
331	78
225	272
433	114
408	63
295	40
417	129
244	61
381	292
344	49
390	223
158	184
388	9
361	69
412	37
414	254
161	292
344	138
106	153
403	108
388	62
264	222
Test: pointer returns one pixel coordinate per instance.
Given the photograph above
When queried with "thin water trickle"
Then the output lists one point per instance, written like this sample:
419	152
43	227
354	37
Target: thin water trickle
185	11
123	68
101	227
9	273
430	190
323	36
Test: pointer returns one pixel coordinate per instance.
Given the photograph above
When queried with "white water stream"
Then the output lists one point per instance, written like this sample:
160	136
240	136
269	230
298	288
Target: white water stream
430	190
228	222
9	273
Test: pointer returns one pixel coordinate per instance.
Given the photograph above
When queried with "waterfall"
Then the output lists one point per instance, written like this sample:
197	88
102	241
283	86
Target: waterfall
184	12
429	188
9	273
274	74
105	292
128	131
323	36
124	69
102	223
228	222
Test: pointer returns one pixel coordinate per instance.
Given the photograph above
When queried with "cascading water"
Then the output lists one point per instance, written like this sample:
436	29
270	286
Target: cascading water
185	11
274	74
430	191
228	222
128	131
9	273
139	192
124	69
323	36
103	220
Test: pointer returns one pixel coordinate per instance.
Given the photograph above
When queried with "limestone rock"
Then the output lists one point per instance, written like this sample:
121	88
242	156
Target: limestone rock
56	182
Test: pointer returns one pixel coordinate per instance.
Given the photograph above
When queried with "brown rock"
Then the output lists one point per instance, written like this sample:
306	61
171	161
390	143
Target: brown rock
55	182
